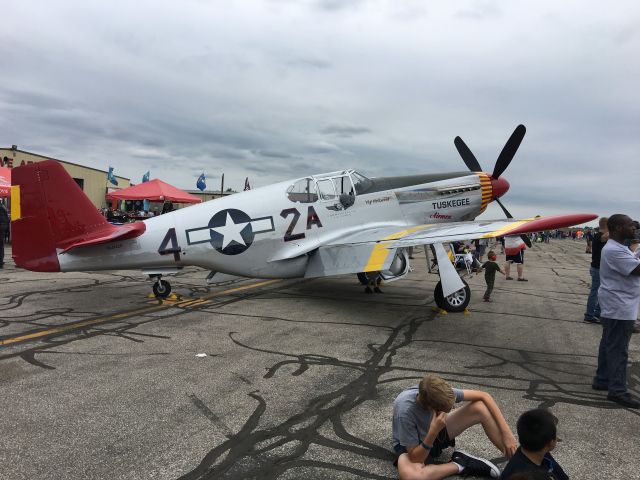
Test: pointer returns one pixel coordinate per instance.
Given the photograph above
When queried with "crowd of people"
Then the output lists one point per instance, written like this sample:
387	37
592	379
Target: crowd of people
134	211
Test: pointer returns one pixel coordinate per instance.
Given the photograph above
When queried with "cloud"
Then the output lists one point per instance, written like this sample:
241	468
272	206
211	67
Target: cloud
479	11
281	89
344	131
309	63
271	154
337	5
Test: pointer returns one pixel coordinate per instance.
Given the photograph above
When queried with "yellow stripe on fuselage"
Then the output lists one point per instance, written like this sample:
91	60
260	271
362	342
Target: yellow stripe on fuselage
380	251
15	203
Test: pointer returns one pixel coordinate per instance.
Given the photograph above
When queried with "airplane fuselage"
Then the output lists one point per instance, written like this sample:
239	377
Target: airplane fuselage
268	232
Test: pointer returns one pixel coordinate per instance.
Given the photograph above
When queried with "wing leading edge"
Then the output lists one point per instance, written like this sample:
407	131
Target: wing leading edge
372	250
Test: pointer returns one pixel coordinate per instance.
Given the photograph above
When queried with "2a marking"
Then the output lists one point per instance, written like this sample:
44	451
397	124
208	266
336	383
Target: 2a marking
312	219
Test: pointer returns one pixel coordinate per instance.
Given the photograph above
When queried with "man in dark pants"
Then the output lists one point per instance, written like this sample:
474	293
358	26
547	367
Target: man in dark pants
592	315
4	226
619	297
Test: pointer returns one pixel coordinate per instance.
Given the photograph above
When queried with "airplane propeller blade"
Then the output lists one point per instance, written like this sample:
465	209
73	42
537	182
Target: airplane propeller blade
504	209
524	237
509	151
469	158
504	159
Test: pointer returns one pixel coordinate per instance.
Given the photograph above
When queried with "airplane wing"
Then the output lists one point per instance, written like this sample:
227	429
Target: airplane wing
373	249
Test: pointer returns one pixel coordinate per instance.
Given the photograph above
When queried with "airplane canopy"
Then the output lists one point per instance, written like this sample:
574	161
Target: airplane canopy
155	191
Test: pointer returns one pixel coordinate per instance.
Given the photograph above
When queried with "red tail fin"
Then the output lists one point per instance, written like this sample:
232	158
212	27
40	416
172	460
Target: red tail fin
56	215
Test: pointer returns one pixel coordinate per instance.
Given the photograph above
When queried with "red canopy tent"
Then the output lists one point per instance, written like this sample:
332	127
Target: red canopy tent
155	191
5	182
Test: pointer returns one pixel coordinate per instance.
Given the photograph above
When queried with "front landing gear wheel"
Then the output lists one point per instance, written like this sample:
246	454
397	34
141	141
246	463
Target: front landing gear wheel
456	302
161	289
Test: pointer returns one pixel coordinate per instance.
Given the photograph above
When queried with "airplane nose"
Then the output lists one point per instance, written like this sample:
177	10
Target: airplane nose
499	187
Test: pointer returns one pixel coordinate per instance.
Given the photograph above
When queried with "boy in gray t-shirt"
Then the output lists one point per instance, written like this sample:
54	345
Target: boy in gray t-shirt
422	427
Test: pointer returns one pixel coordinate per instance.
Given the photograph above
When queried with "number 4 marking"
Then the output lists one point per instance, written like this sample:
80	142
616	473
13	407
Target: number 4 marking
170	238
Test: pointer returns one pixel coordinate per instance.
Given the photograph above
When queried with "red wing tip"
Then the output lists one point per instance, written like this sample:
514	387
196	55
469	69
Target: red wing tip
554	221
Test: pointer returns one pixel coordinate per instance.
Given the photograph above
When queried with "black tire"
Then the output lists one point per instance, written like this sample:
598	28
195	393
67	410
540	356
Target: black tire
162	289
456	302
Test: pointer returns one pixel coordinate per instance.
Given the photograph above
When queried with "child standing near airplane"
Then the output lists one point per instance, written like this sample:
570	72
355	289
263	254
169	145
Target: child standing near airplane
490	268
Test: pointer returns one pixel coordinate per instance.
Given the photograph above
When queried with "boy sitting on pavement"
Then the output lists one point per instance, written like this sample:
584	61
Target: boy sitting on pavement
537	435
423	425
490	269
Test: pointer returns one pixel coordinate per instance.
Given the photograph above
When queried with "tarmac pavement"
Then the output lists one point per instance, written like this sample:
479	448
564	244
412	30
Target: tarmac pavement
99	381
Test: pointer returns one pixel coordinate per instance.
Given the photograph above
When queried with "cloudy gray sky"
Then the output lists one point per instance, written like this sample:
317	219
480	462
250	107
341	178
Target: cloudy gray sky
276	89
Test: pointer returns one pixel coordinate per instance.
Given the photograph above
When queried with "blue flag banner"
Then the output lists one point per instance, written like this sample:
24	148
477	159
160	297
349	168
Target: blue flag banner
145	177
145	205
201	184
111	177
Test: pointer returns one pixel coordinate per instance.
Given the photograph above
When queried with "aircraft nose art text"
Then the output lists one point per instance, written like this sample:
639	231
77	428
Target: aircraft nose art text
230	231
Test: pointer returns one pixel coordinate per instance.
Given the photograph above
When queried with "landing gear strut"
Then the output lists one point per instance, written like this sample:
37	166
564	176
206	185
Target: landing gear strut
456	302
161	288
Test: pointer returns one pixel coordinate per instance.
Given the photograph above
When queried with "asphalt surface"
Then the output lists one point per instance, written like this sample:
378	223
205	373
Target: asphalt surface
99	381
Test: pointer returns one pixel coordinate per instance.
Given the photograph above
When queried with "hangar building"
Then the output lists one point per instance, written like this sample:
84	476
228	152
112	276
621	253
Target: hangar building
91	180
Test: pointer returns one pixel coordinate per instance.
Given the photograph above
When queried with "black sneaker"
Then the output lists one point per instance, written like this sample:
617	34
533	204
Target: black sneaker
592	319
368	290
625	399
475	465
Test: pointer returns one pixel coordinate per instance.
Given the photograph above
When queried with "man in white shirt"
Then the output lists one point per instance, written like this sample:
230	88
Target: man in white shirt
514	249
619	297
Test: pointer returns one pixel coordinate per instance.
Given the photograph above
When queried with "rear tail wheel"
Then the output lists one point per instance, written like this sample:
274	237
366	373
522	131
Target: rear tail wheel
161	289
456	302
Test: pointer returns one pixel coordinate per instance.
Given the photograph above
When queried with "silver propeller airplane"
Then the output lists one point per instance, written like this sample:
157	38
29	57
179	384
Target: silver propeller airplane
330	224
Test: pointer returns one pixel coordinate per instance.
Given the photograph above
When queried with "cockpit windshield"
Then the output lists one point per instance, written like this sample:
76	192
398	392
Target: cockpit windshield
361	183
303	191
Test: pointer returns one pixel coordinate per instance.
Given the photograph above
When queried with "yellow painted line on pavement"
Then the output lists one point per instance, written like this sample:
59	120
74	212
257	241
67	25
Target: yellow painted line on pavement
224	292
74	326
96	321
